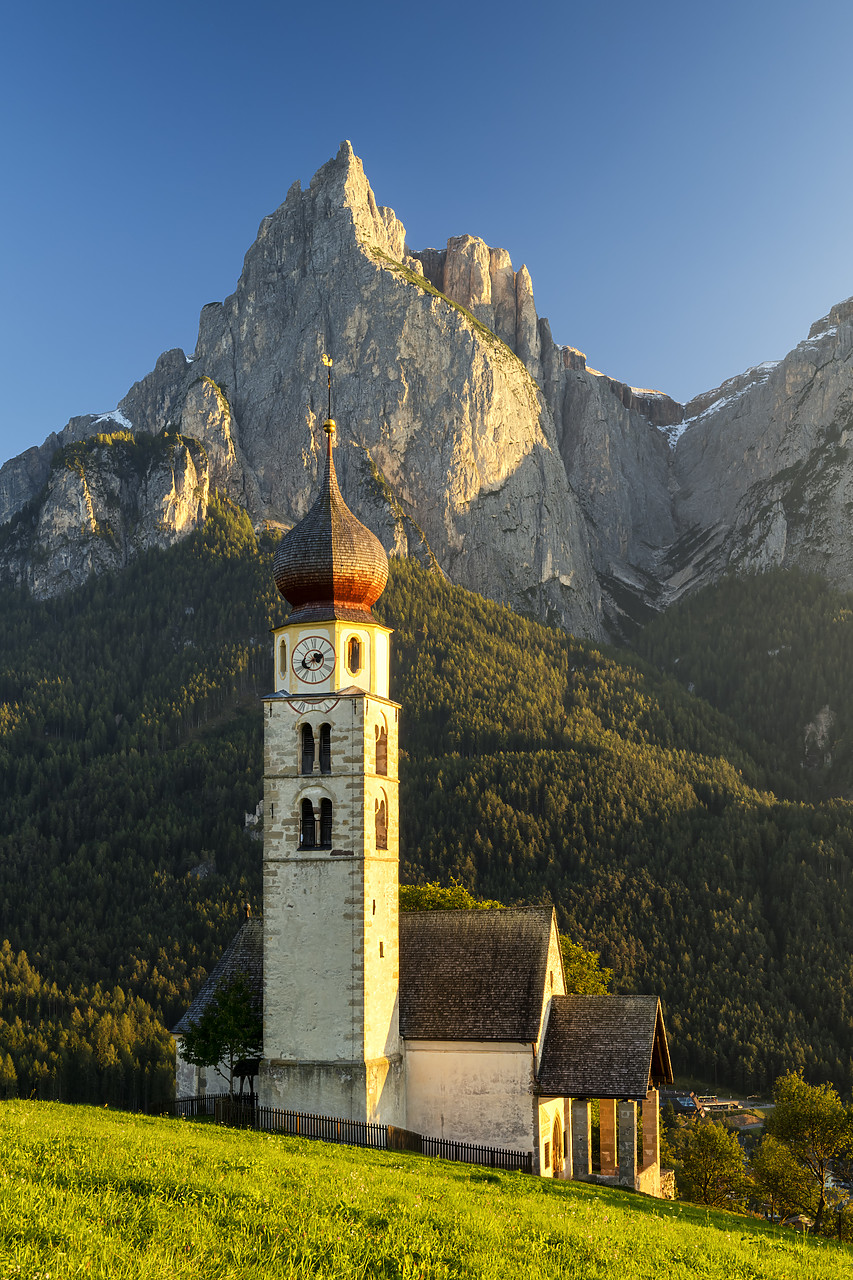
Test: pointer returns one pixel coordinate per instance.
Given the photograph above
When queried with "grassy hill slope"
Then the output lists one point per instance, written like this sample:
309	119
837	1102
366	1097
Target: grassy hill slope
110	1195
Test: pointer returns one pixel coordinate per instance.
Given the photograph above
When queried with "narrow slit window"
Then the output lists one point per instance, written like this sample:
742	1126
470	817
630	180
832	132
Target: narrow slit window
325	748
307	749
325	824
308	827
381	950
381	749
282	658
381	825
354	656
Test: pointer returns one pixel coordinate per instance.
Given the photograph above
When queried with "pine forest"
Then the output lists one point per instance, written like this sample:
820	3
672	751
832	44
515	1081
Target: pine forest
685	805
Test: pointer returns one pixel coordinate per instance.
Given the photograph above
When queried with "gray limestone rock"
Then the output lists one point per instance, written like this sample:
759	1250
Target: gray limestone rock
446	446
762	472
103	503
466	436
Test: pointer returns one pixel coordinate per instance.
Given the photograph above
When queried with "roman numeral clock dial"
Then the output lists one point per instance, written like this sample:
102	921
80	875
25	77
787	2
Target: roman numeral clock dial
313	660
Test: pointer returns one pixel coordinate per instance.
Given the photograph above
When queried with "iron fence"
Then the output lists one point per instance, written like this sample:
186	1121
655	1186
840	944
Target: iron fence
245	1113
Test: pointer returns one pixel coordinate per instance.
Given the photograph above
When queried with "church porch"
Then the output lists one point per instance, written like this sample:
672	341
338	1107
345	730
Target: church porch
611	1050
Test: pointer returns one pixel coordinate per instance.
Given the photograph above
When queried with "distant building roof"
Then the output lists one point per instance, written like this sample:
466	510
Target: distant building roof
604	1047
473	975
244	955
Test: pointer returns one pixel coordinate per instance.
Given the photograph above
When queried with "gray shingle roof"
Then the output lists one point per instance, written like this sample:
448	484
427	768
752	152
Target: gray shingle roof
244	955
604	1047
473	975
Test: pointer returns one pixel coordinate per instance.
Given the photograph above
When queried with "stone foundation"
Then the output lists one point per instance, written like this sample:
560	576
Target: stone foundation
373	1091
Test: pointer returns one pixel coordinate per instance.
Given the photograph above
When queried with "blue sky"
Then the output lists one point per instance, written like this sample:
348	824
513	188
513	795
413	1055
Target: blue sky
676	177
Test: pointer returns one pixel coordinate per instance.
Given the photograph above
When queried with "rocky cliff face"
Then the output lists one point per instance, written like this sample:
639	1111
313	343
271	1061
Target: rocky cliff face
448	449
762	474
105	499
467	436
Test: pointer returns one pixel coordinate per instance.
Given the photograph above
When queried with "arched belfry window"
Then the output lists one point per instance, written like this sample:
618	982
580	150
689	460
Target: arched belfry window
307	749
381	749
325	748
325	824
354	655
308	827
381	824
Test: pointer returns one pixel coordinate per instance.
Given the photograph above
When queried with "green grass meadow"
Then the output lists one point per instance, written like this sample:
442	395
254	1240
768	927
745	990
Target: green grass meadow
87	1192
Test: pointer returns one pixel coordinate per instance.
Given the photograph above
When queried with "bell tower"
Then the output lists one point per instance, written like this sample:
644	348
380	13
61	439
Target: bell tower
331	828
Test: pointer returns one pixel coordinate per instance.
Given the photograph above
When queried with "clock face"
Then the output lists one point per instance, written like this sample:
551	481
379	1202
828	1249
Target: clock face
313	660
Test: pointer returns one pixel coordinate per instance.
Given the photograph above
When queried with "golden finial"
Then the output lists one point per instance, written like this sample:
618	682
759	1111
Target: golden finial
327	361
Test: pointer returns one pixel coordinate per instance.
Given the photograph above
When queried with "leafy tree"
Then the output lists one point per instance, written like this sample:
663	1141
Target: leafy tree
436	897
230	1028
710	1165
816	1129
584	973
784	1186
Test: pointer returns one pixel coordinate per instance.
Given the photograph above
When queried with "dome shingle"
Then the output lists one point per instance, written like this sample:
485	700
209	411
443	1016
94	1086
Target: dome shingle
329	565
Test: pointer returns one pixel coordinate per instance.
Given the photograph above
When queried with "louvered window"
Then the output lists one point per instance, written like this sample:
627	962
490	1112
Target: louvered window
308	829
381	825
381	749
307	749
325	824
325	748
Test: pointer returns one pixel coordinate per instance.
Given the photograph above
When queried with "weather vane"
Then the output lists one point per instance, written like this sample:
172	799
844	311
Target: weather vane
327	361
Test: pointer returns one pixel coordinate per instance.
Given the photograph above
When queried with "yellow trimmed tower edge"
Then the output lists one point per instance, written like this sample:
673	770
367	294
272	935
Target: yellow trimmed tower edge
331	831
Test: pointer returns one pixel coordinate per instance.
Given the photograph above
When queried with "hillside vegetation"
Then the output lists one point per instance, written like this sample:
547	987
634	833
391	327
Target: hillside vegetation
775	651
677	839
112	1195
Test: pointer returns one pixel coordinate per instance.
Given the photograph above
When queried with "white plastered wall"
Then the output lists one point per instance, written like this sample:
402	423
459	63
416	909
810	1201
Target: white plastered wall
471	1091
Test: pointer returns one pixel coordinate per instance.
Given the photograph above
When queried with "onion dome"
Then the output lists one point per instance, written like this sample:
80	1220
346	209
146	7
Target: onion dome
330	566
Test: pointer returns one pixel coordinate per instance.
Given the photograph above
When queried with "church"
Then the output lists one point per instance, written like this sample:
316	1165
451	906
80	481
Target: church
452	1024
